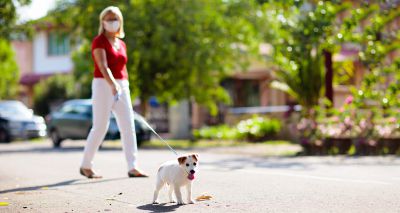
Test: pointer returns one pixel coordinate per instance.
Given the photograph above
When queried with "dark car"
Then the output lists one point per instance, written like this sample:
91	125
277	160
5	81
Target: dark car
73	120
19	122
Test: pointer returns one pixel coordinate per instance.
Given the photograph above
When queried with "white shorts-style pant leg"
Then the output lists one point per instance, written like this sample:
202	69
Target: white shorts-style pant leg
103	104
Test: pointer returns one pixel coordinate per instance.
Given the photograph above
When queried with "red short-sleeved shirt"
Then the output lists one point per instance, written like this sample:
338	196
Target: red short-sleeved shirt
116	60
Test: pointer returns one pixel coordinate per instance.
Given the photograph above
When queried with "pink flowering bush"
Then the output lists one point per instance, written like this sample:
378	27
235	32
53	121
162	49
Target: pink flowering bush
369	130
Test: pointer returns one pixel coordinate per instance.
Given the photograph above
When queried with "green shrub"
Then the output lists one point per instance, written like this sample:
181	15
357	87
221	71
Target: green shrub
53	89
254	129
258	128
223	132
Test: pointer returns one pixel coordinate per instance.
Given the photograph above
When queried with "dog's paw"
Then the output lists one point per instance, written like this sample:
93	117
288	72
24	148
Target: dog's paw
180	202
172	201
192	202
156	202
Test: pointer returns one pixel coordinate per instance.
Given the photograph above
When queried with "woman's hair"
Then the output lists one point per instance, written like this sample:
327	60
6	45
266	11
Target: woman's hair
116	11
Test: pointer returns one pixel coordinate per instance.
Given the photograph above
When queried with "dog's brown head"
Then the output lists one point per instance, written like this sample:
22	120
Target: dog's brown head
189	163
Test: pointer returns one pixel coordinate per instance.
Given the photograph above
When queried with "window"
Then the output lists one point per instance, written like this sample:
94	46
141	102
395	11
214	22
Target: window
250	93
58	44
244	93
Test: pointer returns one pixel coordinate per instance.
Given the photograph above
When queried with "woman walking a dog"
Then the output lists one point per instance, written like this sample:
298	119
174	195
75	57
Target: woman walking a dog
110	92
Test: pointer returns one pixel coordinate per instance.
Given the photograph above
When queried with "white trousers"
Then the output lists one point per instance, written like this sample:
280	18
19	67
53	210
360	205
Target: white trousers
103	104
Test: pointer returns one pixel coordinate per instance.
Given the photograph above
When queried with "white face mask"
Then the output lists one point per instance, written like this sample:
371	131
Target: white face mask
111	26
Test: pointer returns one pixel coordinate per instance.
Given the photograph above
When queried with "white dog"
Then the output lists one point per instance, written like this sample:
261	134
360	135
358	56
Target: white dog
176	174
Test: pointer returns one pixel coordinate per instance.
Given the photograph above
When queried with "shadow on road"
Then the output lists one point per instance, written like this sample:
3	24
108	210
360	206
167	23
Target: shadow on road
301	163
63	183
50	149
159	207
244	163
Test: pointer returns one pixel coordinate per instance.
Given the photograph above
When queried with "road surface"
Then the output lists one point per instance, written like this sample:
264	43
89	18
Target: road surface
37	178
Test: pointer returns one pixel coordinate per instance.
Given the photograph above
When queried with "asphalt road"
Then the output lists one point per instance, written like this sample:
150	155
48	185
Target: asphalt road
36	178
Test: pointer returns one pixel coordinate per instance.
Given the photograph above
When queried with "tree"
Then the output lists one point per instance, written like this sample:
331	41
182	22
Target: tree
8	17
301	34
81	73
177	49
9	70
381	82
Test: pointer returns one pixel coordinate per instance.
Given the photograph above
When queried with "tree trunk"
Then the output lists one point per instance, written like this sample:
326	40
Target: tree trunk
143	106
328	76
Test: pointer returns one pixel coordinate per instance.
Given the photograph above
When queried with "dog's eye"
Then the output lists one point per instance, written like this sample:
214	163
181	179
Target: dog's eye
187	164
194	164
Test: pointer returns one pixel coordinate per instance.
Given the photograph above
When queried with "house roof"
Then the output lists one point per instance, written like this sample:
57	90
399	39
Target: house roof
31	79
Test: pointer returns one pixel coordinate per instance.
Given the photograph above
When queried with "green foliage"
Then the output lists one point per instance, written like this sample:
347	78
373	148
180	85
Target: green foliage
177	49
8	17
9	71
222	132
258	128
302	31
380	86
254	129
344	72
54	89
83	66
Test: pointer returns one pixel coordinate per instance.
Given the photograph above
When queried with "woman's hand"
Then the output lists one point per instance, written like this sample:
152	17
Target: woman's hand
116	88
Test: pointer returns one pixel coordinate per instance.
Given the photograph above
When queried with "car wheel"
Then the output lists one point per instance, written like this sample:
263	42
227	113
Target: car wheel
4	136
55	138
140	138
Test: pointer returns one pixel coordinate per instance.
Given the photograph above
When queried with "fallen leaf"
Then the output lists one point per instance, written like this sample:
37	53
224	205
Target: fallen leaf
4	204
44	187
203	197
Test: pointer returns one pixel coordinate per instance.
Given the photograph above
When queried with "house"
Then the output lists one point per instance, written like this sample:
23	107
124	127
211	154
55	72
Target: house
47	54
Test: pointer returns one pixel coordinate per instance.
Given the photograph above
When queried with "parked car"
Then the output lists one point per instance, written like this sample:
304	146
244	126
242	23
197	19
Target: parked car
73	120
19	122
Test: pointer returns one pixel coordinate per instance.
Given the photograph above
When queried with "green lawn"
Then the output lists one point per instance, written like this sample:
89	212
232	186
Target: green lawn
186	144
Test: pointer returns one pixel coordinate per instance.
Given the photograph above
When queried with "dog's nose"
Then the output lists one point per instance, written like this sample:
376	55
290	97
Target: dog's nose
192	171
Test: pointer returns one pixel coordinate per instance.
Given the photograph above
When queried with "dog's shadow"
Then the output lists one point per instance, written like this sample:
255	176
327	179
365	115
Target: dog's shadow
163	207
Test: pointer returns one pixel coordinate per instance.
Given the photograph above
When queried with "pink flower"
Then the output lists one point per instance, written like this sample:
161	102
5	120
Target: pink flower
349	100
348	121
335	119
363	124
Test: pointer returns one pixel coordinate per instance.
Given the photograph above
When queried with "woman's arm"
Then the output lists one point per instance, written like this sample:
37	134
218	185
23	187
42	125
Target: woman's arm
101	61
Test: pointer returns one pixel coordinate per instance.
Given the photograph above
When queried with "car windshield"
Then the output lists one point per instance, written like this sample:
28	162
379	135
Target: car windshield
9	109
76	108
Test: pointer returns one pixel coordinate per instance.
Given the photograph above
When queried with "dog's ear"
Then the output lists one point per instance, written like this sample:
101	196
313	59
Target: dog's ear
195	157
182	159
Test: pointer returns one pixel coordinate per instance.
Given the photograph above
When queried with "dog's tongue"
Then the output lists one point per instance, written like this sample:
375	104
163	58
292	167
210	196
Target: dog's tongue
191	176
